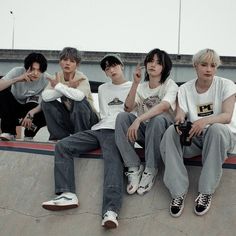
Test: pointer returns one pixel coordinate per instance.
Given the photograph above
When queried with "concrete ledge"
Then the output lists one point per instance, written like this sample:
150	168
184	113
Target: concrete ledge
48	149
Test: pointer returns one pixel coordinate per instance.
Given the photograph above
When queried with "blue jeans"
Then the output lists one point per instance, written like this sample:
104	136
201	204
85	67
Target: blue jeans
61	122
69	148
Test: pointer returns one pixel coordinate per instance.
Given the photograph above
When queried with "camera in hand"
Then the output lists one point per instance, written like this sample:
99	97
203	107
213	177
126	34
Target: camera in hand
184	137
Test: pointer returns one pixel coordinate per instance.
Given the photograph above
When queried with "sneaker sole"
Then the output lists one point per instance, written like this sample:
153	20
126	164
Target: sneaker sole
4	139
144	192
59	208
131	191
109	225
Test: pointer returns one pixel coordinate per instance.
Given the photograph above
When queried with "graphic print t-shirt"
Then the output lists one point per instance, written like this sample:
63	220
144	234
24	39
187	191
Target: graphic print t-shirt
198	106
146	97
111	102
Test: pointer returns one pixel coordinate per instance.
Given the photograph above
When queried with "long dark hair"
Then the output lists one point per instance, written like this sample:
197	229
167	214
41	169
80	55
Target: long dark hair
164	60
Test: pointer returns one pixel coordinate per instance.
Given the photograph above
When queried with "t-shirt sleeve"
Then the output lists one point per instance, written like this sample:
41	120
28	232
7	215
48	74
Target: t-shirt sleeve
171	93
13	73
101	102
229	89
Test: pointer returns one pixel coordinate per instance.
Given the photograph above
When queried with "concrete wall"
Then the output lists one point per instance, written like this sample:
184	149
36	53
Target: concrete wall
182	66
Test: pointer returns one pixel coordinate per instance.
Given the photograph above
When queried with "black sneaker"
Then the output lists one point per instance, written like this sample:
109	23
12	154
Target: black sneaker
203	203
177	206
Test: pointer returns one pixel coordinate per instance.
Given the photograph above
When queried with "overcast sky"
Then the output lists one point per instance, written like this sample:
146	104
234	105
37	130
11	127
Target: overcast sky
119	25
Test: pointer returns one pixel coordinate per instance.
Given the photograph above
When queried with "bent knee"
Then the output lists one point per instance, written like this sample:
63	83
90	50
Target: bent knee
216	129
123	116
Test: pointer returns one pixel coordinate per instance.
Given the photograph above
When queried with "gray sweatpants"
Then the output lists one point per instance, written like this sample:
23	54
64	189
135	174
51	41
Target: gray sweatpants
212	145
149	134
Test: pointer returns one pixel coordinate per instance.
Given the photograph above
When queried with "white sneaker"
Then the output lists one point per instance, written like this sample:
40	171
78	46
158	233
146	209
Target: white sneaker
62	202
133	179
147	181
7	137
110	220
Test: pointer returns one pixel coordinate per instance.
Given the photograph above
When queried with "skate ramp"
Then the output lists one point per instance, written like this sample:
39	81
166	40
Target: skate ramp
26	180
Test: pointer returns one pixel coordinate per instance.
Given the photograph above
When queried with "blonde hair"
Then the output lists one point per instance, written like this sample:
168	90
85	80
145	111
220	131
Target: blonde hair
206	55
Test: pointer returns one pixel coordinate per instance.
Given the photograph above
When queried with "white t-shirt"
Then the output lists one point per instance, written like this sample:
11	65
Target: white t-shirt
146	97
111	102
23	91
197	106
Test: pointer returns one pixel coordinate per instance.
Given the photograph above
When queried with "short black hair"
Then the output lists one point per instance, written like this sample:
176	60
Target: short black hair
164	60
110	60
71	53
36	57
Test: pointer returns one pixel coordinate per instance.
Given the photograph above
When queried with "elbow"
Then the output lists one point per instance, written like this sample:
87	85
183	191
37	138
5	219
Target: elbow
165	107
127	108
228	120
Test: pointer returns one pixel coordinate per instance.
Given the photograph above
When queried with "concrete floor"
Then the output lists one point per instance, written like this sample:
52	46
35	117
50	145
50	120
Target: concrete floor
26	180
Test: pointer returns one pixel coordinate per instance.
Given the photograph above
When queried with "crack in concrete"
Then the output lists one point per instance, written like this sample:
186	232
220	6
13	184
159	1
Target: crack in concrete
80	213
46	215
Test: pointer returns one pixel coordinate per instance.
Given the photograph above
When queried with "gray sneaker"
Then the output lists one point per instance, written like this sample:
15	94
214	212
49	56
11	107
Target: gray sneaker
146	182
133	179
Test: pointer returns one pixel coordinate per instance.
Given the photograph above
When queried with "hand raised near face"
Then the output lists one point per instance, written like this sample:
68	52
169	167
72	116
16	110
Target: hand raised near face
55	81
138	73
26	77
74	83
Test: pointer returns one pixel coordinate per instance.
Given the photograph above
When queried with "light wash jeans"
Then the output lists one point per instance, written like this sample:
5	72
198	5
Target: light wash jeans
212	145
149	135
71	147
61	122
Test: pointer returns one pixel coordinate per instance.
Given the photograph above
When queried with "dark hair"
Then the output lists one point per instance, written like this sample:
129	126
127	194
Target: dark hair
164	60
36	57
71	53
110	60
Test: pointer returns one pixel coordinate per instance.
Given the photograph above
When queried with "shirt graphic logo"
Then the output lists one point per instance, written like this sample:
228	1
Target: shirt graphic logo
115	101
205	109
150	102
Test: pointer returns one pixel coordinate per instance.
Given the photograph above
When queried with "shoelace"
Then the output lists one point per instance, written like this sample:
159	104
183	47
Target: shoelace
113	214
131	173
177	201
62	197
203	199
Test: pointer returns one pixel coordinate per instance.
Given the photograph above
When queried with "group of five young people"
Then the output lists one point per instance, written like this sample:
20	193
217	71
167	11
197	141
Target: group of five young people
142	113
